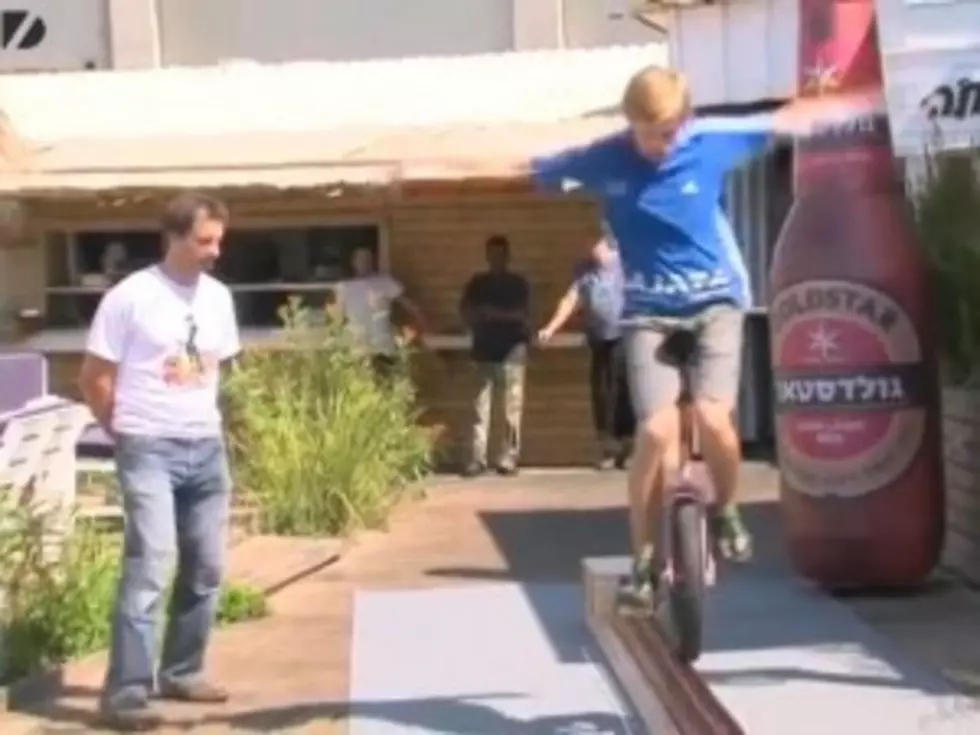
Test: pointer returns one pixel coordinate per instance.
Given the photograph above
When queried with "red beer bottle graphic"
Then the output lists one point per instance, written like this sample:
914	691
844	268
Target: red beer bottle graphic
857	398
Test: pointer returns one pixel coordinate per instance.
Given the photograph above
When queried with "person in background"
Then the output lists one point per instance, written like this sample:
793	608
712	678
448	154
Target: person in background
150	377
495	309
598	289
366	301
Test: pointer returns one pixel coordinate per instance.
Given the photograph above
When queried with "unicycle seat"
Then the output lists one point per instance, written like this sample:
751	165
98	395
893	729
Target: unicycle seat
680	348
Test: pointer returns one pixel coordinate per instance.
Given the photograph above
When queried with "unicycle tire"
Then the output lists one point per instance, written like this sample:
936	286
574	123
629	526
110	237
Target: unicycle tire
687	587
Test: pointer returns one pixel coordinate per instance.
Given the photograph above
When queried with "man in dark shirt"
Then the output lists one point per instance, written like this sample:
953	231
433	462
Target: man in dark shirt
495	309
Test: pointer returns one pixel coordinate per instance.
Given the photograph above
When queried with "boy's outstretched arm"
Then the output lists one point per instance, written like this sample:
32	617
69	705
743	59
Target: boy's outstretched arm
805	116
736	139
586	166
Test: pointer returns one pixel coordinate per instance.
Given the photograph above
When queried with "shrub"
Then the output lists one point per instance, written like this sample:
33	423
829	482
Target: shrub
241	601
318	442
946	205
58	609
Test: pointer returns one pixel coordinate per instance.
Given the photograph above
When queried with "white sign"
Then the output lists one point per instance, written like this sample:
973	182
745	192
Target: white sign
53	35
931	64
934	100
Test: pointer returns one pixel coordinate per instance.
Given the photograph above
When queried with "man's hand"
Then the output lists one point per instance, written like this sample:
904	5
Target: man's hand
545	334
97	382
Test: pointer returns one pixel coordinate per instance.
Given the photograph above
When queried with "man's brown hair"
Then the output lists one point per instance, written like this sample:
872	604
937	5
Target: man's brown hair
498	242
656	95
181	212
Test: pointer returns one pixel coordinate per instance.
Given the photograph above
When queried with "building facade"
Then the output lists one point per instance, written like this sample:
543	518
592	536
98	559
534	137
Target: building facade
80	201
73	219
64	35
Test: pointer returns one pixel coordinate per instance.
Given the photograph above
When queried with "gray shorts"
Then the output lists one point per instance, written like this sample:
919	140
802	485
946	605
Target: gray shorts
655	374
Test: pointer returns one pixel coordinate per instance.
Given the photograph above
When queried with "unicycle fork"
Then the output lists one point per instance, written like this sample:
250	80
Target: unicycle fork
689	567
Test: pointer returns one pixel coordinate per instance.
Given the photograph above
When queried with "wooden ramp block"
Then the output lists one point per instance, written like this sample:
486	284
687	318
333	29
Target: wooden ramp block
667	695
600	577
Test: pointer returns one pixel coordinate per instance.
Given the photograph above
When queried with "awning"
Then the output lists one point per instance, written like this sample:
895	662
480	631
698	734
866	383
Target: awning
292	160
308	125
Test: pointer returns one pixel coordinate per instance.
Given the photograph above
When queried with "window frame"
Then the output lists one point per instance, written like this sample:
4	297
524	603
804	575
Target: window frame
71	228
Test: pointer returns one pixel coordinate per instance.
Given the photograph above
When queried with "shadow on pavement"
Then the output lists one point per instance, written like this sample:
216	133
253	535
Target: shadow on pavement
433	715
548	545
750	610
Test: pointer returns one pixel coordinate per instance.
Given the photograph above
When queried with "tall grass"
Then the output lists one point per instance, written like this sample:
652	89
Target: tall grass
317	440
946	206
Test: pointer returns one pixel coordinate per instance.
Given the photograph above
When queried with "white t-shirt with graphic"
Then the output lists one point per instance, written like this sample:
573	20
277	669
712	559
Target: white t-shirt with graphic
168	340
367	305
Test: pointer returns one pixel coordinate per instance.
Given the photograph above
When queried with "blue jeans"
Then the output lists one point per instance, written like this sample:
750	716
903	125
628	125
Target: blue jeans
175	495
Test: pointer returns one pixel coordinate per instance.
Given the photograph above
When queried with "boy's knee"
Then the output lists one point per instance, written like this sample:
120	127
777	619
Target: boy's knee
714	417
659	431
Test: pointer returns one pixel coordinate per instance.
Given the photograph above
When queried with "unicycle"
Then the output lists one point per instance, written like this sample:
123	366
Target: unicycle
689	566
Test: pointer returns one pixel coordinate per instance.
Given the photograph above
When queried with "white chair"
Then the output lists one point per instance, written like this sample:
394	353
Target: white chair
38	461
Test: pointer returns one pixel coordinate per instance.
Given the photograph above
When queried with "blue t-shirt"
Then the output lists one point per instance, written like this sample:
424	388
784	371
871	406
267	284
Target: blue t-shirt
678	253
600	288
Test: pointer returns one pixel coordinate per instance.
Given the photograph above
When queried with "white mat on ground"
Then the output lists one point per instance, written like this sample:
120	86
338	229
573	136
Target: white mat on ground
489	659
785	659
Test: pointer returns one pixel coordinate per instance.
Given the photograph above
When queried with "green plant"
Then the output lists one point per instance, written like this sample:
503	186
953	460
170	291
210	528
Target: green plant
241	601
54	609
58	606
318	442
946	205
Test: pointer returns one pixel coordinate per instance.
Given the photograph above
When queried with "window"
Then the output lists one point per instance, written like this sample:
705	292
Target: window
263	267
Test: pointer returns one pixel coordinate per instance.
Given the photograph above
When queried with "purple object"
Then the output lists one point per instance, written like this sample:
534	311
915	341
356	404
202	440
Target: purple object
23	378
95	443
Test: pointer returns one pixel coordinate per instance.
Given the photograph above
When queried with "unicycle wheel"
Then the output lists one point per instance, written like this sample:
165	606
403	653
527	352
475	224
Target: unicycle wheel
688	583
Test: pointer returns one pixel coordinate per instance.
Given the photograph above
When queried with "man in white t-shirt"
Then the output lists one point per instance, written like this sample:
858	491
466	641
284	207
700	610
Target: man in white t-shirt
366	301
150	376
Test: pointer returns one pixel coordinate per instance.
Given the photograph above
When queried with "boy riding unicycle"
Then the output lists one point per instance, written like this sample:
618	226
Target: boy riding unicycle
660	183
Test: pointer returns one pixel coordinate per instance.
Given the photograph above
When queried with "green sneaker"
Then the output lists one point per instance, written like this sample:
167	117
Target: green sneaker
636	590
731	537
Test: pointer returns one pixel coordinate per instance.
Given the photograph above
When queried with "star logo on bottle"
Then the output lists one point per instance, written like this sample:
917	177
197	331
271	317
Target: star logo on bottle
824	343
821	78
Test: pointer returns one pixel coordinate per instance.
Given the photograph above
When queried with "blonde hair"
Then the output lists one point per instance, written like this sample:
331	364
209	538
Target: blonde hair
655	95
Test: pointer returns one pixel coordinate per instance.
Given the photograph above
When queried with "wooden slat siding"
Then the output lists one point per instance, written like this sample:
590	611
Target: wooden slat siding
436	245
435	236
961	441
557	423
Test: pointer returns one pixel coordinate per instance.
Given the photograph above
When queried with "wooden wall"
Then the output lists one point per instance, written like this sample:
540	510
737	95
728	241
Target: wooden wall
435	237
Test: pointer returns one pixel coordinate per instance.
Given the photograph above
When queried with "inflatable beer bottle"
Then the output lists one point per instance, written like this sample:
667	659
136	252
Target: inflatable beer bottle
856	386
